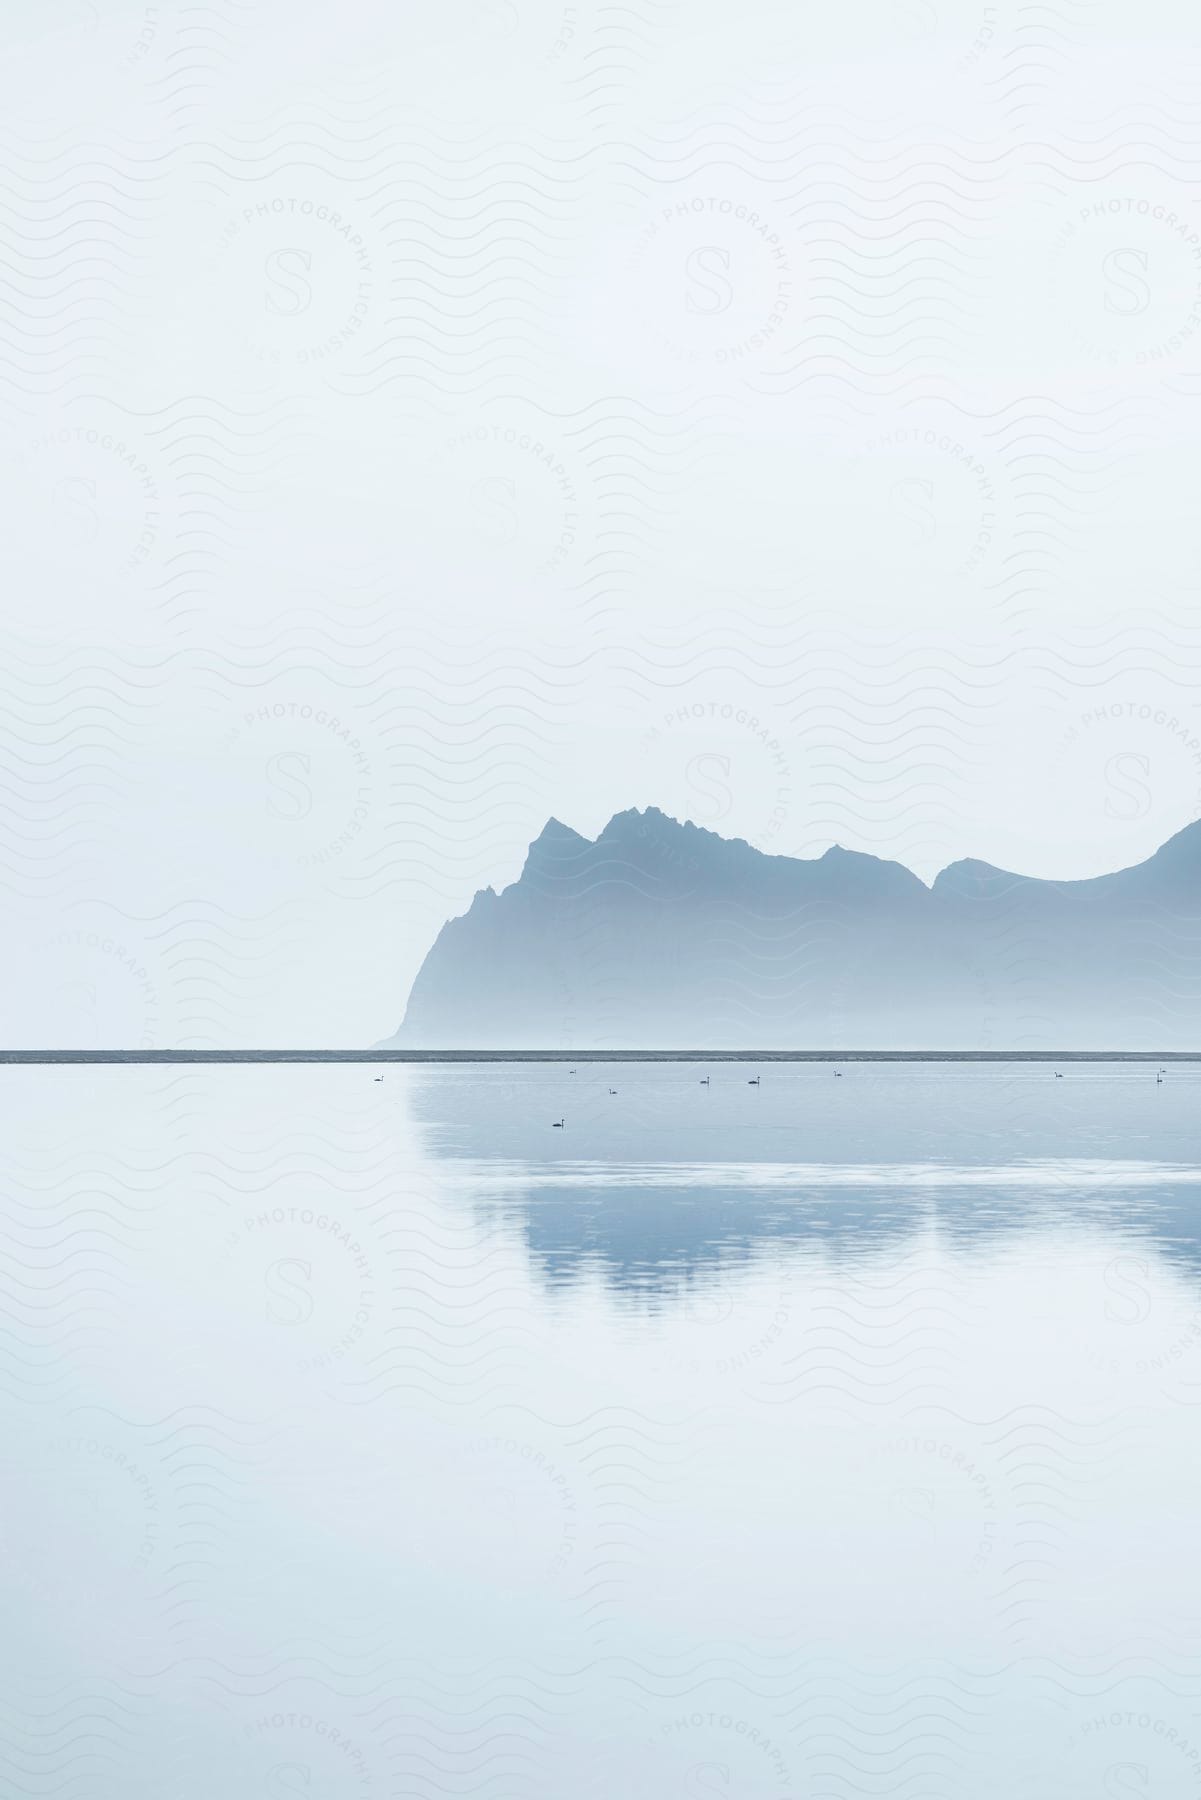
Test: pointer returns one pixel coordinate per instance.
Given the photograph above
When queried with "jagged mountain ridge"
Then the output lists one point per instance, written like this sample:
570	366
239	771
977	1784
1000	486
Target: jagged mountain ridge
659	933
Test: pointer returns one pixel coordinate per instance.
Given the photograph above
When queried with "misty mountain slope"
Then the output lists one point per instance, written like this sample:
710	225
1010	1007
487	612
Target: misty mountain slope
662	934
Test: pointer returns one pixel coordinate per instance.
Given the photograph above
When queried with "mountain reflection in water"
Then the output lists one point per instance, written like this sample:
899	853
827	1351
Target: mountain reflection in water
668	1179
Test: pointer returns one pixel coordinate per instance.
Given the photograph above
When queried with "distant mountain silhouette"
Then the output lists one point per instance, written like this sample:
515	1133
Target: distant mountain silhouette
664	935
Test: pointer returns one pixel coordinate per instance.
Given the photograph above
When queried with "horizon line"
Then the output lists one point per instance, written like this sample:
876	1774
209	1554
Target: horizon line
84	1057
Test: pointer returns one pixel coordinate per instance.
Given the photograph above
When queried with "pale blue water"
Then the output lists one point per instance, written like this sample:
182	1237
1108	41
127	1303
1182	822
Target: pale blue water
832	1437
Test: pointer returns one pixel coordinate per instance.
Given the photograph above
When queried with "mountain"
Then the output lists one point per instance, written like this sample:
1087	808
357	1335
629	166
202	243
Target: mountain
663	935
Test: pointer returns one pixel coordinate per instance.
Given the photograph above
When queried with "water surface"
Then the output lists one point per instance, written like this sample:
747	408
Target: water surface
833	1436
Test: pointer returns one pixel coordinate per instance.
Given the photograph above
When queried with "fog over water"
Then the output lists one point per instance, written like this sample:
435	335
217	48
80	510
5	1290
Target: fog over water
832	1435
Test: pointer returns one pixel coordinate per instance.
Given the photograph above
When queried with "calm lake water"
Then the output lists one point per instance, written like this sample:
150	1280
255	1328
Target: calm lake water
832	1437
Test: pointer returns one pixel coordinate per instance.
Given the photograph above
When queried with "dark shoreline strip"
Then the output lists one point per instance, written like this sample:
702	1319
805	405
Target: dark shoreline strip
87	1057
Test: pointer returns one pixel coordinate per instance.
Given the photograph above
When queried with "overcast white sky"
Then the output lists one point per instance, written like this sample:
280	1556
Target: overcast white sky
418	420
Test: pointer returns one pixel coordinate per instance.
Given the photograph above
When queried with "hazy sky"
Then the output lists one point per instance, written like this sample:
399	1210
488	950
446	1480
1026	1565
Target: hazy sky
421	419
